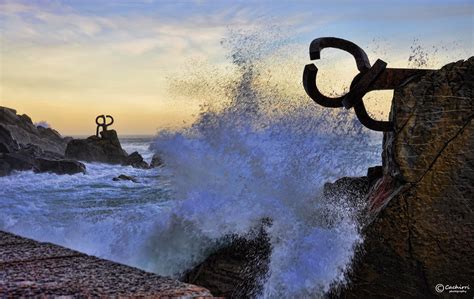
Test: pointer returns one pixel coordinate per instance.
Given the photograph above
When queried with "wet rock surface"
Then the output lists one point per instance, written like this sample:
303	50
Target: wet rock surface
419	231
136	160
104	149
34	269
416	209
59	166
124	177
156	161
236	270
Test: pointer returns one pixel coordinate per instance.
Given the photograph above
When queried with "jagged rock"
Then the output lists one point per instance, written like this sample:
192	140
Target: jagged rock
17	161
23	146
136	160
32	157
95	149
59	166
156	161
418	232
7	143
235	270
22	129
124	177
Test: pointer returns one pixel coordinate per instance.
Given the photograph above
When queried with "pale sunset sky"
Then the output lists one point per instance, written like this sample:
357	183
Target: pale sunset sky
65	62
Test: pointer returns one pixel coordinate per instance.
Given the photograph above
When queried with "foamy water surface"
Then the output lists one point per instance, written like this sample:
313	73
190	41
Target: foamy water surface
253	154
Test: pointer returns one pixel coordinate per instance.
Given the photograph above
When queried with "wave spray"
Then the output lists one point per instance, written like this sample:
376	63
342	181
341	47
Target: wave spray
255	152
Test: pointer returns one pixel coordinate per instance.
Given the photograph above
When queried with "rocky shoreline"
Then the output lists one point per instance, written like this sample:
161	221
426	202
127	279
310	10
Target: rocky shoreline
417	221
418	208
24	146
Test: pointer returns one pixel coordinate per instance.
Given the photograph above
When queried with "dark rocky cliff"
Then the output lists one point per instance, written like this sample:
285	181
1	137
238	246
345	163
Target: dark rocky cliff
25	132
418	224
419	231
24	146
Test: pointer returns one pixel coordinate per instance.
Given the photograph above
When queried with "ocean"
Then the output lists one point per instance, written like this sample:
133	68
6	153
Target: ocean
252	153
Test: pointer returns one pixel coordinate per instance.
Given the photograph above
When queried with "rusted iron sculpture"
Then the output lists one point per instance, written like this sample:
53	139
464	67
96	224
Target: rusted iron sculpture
375	77
103	124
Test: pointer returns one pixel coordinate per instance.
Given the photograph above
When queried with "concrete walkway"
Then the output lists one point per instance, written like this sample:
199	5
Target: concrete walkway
31	268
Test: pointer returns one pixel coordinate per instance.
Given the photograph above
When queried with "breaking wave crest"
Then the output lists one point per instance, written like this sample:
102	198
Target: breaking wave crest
256	151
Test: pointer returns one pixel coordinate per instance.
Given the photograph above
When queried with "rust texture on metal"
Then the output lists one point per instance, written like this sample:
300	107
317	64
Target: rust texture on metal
104	124
370	78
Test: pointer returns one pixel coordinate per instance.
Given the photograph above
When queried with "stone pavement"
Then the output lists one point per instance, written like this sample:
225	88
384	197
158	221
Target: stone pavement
30	268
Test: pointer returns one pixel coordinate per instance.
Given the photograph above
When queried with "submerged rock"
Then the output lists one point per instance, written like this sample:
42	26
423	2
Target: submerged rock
95	149
156	161
124	177
418	232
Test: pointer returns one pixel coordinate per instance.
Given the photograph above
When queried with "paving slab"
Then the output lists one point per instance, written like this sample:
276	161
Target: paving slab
29	268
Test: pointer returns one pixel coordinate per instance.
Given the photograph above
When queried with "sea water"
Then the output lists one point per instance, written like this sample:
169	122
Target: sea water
250	155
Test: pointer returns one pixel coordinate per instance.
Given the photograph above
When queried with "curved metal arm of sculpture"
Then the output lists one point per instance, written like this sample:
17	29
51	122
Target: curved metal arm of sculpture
103	124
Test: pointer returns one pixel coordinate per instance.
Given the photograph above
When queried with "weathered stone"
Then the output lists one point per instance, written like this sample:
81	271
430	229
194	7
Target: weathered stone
124	177
25	132
59	166
156	161
7	143
419	232
94	149
30	269
237	269
136	160
32	157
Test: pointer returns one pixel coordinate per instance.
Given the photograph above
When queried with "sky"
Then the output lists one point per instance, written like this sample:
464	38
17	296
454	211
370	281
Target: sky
64	62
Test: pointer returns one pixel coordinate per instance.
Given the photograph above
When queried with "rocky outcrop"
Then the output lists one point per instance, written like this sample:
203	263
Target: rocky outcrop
416	209
156	161
104	149
26	147
95	149
237	269
418	231
24	132
59	166
136	160
32	157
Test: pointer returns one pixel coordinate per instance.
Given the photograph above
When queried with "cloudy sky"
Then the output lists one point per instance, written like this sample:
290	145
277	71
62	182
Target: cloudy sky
67	61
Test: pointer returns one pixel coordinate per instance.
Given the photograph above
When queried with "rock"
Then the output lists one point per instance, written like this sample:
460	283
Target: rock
59	166
5	168
22	129
235	269
32	269
32	157
374	174
136	160
156	161
418	232
124	177
21	160
23	146
95	149
7	143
